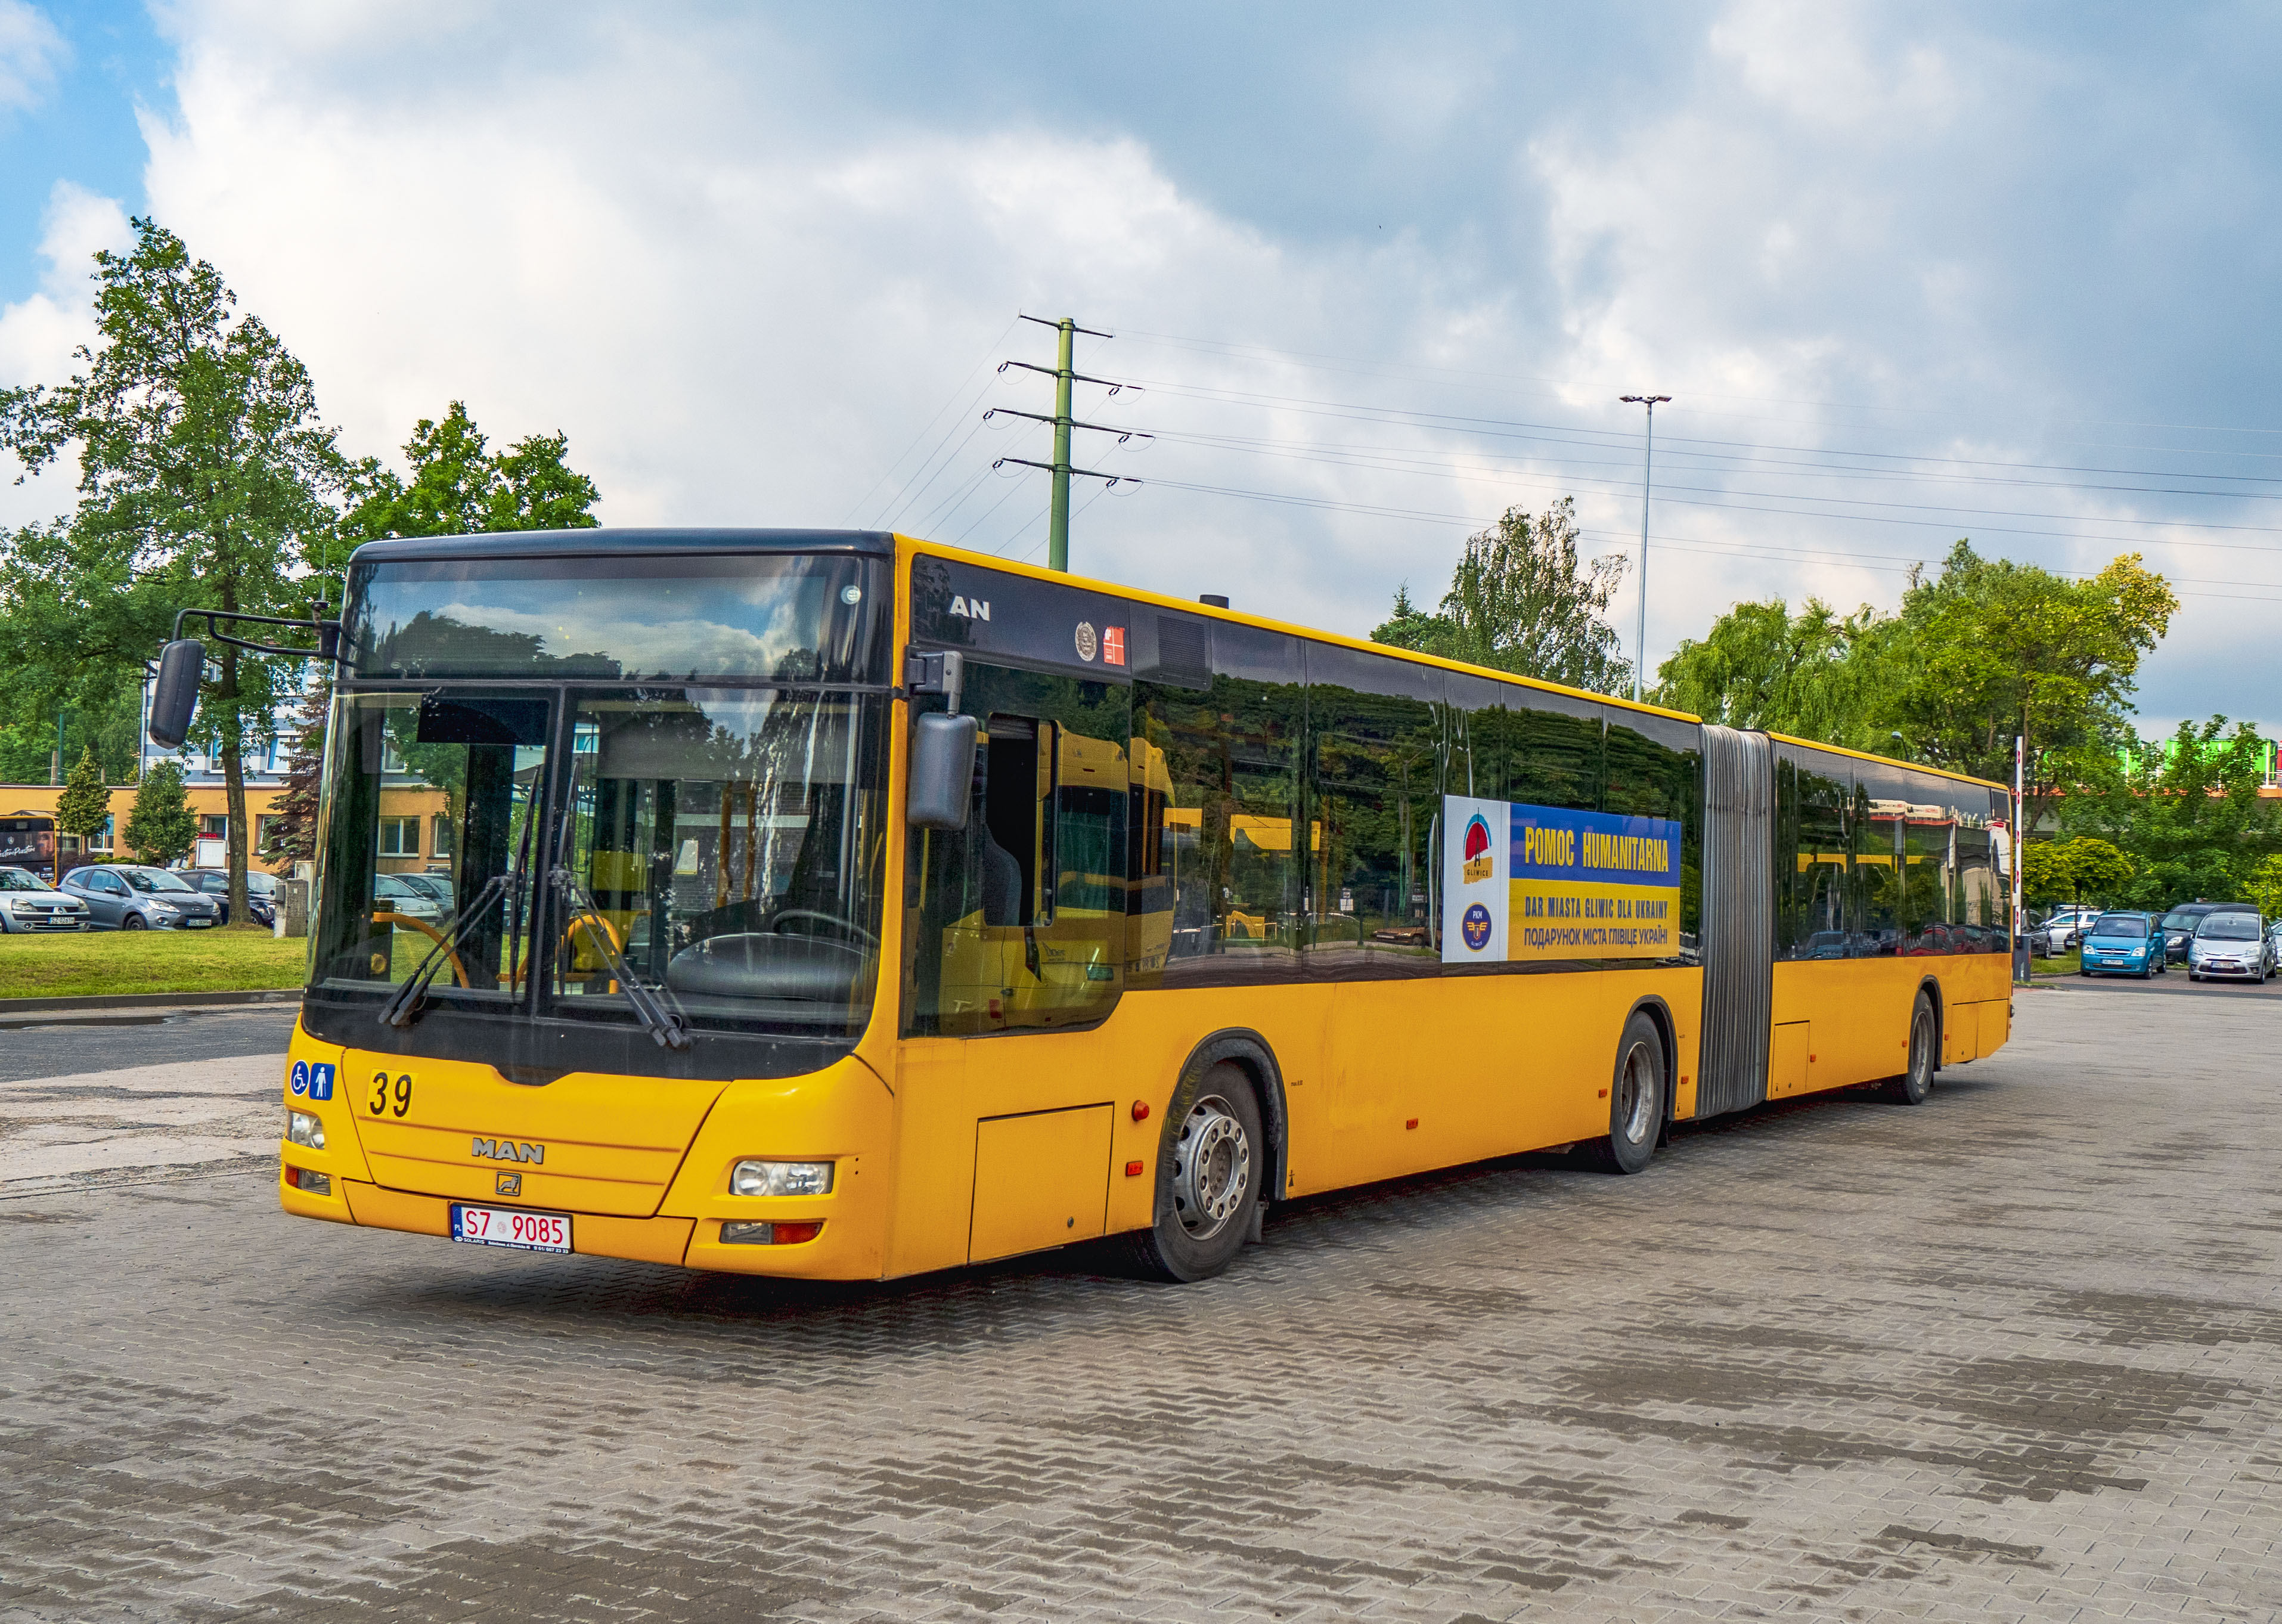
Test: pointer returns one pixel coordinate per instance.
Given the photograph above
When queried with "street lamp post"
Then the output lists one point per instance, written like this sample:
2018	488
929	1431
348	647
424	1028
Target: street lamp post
1648	461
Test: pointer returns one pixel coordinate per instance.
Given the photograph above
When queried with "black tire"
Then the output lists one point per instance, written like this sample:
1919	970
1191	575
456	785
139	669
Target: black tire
1210	1160
1636	1100
1912	1086
134	921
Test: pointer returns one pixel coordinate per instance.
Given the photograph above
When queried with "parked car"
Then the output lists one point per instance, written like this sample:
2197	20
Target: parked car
2066	924
2179	924
260	892
29	903
395	894
130	897
435	887
2124	944
2231	945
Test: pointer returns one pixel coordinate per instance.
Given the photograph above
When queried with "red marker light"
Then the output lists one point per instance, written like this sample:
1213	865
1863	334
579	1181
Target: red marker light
1140	1110
1413	1123
1133	1169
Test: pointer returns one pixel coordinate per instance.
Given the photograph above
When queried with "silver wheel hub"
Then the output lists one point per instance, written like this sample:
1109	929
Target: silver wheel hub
1636	1095
1212	1168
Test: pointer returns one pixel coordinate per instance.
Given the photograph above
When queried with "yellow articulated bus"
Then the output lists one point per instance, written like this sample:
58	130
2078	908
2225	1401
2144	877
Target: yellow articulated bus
843	906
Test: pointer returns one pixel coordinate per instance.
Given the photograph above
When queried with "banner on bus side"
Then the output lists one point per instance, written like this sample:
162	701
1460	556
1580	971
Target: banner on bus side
1530	883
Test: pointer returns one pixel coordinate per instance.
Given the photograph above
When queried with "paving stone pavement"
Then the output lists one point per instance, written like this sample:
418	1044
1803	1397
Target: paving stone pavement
2009	1356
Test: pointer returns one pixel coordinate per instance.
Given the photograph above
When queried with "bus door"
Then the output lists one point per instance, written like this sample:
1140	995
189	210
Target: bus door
1018	920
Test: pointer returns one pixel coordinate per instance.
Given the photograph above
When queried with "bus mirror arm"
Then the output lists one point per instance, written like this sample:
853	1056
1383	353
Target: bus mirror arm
182	663
942	672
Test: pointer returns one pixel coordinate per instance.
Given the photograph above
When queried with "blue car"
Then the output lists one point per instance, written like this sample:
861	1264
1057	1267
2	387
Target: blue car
2125	945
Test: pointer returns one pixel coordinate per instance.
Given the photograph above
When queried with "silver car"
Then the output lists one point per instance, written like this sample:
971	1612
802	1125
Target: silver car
396	894
2232	946
130	897
28	903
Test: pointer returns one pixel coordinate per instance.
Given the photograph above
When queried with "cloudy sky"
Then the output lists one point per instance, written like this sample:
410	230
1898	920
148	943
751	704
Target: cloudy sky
1376	274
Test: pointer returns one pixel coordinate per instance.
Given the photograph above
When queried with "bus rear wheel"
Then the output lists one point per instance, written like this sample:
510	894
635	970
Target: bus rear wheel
1912	1086
1210	1162
1636	1097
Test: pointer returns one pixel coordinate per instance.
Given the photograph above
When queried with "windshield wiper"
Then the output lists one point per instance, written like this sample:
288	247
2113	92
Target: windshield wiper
404	1006
402	1009
663	1025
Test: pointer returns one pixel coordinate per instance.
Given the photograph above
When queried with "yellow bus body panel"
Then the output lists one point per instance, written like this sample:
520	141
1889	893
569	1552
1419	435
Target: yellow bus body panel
1857	1013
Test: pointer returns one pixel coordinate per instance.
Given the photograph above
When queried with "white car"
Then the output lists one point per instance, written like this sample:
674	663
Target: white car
2231	947
2067	926
29	903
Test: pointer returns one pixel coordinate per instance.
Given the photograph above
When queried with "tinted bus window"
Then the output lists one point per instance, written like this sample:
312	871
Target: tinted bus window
1553	753
1220	719
1814	854
1651	766
1374	791
1019	919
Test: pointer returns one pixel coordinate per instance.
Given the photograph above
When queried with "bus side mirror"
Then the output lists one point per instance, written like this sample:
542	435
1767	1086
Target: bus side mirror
942	770
176	693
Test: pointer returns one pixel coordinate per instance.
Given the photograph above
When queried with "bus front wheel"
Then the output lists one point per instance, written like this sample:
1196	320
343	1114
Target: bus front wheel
1210	1162
1636	1096
1912	1086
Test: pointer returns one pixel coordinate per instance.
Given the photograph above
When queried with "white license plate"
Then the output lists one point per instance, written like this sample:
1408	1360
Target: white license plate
195	924
503	1227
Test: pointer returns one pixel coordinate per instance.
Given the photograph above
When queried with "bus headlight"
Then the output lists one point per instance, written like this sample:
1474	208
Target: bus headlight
304	1128
781	1178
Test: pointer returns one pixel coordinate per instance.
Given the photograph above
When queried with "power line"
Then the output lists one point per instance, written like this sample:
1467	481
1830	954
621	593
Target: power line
955	395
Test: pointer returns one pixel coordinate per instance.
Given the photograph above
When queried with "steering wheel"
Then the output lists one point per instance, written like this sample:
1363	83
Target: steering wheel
848	925
430	931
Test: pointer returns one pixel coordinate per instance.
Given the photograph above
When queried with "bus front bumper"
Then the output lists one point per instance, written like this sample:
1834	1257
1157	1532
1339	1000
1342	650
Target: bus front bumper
838	1251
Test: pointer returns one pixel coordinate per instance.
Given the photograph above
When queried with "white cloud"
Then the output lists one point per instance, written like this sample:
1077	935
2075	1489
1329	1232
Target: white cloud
38	334
742	294
31	50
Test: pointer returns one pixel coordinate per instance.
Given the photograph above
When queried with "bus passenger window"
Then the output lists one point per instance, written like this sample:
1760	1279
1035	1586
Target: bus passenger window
1015	840
1224	903
1018	920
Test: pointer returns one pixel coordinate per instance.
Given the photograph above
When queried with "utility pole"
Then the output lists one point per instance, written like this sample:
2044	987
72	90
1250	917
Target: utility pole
1065	374
1058	521
1648	464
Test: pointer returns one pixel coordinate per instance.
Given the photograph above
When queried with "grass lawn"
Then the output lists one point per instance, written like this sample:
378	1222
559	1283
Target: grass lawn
89	964
2066	963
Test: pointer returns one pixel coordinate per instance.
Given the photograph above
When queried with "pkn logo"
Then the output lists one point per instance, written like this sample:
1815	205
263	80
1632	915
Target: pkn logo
970	608
1474	925
1480	863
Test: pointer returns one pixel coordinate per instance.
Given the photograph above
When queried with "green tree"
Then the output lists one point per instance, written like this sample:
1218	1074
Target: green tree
2265	886
2098	871
1989	650
161	827
204	474
1809	675
2187	810
2047	875
293	836
1523	600
2085	869
458	486
85	803
1980	652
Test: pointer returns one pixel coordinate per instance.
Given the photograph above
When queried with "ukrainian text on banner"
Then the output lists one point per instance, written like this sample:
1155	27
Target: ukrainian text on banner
1592	885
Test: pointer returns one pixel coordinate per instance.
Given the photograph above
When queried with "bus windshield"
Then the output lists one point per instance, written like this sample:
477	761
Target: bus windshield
568	845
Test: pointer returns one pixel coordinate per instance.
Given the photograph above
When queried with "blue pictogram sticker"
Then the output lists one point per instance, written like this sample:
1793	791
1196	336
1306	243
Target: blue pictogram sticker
300	1076
320	1080
1474	925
